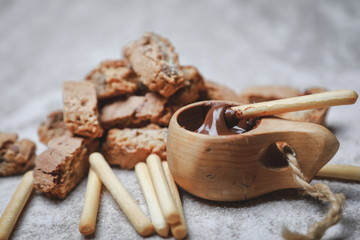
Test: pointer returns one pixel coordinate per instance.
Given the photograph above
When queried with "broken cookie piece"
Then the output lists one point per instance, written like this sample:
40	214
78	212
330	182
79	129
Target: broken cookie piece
216	91
151	109
113	78
54	126
156	110
120	114
80	109
126	147
155	61
16	157
163	119
134	111
194	86
60	168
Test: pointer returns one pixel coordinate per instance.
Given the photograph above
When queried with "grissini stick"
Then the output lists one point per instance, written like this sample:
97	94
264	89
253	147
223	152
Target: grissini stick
16	204
126	203
179	230
167	203
157	217
318	100
89	214
344	172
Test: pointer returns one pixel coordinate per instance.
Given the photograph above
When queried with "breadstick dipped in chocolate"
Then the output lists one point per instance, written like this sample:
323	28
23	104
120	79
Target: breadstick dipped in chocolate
318	100
232	115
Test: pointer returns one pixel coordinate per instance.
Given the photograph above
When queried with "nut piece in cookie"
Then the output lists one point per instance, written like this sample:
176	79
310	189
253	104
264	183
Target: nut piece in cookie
155	61
80	109
216	91
16	157
126	147
60	168
113	78
54	126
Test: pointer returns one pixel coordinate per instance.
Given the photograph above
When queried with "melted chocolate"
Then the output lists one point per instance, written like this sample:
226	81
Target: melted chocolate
221	120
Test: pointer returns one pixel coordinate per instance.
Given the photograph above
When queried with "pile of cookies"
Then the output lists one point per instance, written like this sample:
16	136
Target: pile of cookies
122	109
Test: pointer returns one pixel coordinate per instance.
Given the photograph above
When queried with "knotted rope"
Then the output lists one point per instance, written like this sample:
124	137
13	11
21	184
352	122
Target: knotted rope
319	191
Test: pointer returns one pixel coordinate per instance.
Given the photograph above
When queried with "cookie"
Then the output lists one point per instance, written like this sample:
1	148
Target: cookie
113	78
216	91
60	168
126	147
194	86
156	63
54	126
16	157
80	109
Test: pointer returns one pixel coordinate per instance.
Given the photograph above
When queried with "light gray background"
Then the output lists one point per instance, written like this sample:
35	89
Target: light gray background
237	43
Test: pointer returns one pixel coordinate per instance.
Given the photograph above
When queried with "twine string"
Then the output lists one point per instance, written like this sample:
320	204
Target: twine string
319	191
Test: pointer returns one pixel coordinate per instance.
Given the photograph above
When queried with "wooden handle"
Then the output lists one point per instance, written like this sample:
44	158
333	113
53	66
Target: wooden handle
344	172
318	100
127	204
87	223
16	204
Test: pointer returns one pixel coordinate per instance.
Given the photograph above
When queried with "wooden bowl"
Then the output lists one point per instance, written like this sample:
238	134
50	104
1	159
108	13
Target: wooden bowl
243	166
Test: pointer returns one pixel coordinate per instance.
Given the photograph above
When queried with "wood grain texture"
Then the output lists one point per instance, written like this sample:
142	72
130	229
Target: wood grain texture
243	166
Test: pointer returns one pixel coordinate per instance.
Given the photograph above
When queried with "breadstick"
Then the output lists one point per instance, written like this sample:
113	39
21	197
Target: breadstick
87	223
126	203
318	100
167	203
16	204
345	172
157	218
179	230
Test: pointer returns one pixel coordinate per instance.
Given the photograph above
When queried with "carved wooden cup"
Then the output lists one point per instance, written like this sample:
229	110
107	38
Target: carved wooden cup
243	166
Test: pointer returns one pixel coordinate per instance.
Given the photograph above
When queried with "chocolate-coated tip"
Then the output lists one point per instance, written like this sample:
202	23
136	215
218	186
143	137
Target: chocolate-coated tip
230	117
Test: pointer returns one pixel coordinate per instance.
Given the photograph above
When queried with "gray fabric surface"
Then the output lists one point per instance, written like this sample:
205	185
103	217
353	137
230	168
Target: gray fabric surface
237	43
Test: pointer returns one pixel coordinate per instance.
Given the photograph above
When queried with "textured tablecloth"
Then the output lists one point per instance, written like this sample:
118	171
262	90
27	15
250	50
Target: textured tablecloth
237	43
